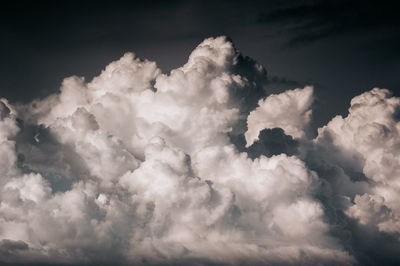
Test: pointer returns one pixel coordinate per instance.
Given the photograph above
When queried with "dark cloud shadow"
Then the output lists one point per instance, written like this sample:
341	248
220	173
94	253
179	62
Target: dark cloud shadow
39	151
270	142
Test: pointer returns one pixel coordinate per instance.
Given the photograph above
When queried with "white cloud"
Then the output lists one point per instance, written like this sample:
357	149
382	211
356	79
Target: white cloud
154	178
370	134
289	110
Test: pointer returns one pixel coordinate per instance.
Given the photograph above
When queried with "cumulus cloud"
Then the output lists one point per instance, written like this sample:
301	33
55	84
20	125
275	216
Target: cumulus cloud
370	133
289	110
138	167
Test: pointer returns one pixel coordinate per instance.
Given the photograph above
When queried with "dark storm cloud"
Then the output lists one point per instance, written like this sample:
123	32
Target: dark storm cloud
310	21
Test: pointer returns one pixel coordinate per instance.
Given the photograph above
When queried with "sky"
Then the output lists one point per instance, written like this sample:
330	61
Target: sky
341	47
199	133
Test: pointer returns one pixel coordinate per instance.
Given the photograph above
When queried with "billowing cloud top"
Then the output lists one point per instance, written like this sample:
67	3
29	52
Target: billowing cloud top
140	167
289	110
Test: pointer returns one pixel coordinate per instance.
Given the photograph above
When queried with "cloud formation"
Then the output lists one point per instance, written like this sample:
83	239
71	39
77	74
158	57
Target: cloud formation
137	167
371	133
290	110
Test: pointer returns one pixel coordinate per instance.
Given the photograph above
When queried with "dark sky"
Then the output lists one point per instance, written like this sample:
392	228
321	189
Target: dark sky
341	47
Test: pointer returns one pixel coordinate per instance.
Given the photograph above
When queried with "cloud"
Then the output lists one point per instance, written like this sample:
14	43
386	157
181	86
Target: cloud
141	167
371	133
290	110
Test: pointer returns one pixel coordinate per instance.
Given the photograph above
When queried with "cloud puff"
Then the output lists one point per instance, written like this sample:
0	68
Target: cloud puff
138	167
370	134
289	110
